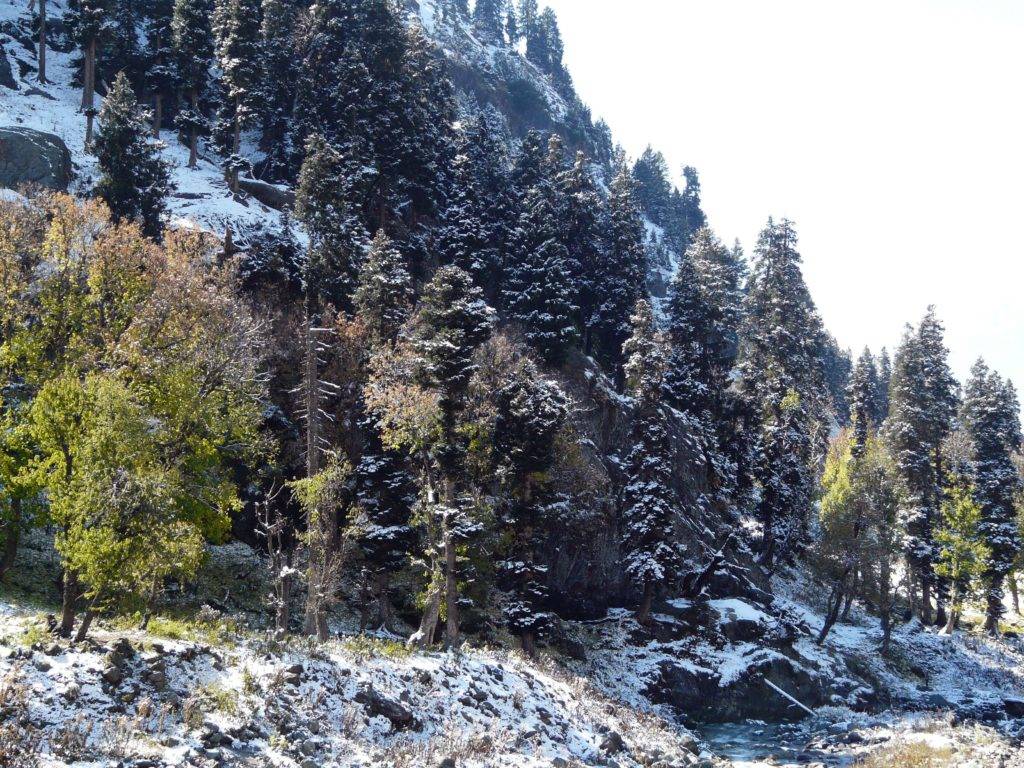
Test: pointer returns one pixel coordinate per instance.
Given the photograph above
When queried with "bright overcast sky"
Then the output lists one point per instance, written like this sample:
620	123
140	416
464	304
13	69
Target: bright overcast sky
890	131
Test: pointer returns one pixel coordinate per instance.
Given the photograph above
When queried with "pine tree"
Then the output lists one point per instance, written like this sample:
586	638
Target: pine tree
653	189
620	276
782	374
277	84
161	75
582	236
452	322
652	557
488	16
383	296
193	43
336	237
88	22
134	181
538	288
991	415
236	27
884	379
922	404
530	412
863	403
476	226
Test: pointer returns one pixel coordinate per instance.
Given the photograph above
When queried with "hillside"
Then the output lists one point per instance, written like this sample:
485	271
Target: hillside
416	424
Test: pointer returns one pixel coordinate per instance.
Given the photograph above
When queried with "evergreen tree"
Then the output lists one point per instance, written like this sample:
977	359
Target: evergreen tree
336	237
922	404
782	374
991	416
192	39
383	297
161	75
652	557
277	84
488	16
884	379
476	229
863	404
530	412
88	23
620	276
134	180
961	552
236	26
653	189
538	289
581	206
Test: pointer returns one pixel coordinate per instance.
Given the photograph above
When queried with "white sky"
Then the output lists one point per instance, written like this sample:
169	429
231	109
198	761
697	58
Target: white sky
890	131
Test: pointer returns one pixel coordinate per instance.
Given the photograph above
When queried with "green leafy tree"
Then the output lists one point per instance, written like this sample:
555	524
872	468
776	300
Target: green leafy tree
962	554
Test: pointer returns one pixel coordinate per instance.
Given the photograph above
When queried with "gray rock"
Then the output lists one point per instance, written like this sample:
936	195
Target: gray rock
445	762
33	157
612	744
378	704
1014	707
112	675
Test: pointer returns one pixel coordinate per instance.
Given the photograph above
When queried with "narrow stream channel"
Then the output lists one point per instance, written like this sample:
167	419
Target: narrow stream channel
754	744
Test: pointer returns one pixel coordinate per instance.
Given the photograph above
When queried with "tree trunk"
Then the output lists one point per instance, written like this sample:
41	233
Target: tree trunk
158	114
926	602
89	91
383	602
451	591
424	636
12	536
70	598
1011	580
283	615
236	146
193	135
42	42
529	643
835	604
643	613
83	628
994	606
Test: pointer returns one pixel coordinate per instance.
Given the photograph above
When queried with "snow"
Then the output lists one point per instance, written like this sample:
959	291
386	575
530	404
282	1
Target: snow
739	609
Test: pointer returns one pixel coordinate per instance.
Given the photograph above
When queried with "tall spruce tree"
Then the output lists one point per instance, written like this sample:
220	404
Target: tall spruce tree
620	275
922	403
884	379
652	556
782	374
530	412
581	206
277	84
192	39
863	402
538	289
161	74
384	294
236	27
991	415
453	320
88	23
134	180
336	235
488	19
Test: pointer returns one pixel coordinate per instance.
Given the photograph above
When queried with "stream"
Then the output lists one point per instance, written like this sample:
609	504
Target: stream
754	744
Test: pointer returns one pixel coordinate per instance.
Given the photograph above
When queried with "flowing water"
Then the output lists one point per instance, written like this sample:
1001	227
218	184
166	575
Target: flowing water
755	744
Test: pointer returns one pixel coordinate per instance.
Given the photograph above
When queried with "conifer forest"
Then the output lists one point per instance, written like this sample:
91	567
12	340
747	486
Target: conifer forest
364	403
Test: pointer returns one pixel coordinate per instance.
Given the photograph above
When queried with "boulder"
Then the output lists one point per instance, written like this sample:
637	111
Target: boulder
1014	707
32	157
377	703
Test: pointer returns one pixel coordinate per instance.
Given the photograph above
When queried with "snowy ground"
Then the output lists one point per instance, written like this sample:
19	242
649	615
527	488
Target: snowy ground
245	699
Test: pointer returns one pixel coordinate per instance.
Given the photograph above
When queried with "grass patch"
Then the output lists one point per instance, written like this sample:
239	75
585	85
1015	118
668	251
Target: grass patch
220	699
911	755
213	630
363	648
